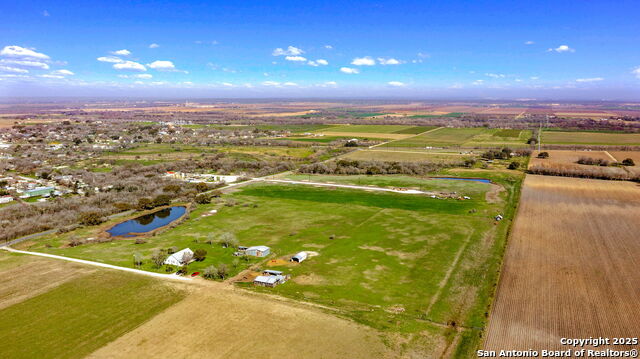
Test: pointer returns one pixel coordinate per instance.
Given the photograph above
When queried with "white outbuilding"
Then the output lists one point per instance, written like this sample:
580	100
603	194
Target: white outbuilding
179	258
299	257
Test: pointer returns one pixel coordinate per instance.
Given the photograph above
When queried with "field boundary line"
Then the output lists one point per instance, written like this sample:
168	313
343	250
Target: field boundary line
98	264
610	156
447	276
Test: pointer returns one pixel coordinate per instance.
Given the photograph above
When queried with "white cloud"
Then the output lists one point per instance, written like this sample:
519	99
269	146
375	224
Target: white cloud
62	73
390	61
636	72
363	61
45	13
228	84
529	42
13	69
290	51
495	76
329	84
534	78
396	83
477	82
295	58
423	55
271	83
349	70
140	76
318	62
562	48
591	79
200	42
112	59
123	52
129	65
328	47
162	65
290	84
49	76
154	46
25	63
22	52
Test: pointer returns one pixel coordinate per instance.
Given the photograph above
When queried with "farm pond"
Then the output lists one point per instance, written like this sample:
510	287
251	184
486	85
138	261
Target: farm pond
147	223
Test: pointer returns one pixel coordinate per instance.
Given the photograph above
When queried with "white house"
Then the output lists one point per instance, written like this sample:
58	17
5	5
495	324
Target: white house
5	199
179	258
269	280
258	251
299	257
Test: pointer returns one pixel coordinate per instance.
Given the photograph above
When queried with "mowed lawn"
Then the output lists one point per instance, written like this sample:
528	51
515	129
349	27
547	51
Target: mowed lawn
77	317
590	138
466	137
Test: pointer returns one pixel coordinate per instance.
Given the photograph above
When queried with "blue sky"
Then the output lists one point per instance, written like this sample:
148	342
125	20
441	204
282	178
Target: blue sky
440	49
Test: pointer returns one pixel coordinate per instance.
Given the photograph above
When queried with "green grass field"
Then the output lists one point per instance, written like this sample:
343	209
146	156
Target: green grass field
590	138
397	155
80	316
395	262
466	137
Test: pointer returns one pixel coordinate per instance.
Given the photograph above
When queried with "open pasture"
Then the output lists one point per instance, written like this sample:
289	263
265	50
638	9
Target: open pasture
398	263
375	131
571	267
466	137
397	154
590	138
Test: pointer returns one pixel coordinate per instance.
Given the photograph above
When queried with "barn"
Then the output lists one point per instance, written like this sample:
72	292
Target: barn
179	258
258	251
299	257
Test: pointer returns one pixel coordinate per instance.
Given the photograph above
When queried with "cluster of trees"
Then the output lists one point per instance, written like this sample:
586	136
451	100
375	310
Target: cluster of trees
356	167
595	172
603	162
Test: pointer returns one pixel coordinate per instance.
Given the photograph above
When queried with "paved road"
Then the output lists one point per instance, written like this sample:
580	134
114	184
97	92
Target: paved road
103	265
410	191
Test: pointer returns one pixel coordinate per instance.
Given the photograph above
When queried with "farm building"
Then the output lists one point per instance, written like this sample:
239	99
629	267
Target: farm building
299	257
269	280
38	191
5	199
179	258
271	272
258	251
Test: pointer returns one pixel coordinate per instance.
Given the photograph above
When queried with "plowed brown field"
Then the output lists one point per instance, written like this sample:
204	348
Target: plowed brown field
571	267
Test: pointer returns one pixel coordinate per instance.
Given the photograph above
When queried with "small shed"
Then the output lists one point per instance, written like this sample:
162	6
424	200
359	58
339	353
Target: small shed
258	251
179	258
271	272
269	280
299	257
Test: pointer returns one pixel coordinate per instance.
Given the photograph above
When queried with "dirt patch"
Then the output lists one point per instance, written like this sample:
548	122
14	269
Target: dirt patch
214	322
493	195
309	279
399	254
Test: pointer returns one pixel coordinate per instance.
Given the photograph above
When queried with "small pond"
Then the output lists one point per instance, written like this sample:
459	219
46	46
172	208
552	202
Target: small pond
483	180
148	222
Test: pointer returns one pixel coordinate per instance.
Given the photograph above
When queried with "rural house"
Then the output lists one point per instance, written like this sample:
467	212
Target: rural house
180	258
299	257
258	251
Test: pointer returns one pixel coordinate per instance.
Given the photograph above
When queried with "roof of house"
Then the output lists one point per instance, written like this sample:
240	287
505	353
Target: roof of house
258	248
178	256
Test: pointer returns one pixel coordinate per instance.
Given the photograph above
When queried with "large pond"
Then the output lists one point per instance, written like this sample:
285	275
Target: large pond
148	222
483	180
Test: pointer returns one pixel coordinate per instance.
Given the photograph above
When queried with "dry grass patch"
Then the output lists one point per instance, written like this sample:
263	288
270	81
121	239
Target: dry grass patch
23	277
218	322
